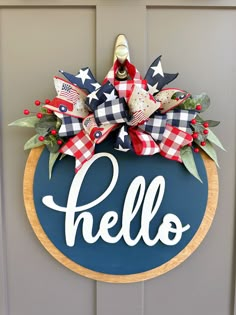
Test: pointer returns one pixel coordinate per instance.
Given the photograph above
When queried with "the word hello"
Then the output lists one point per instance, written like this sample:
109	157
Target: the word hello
136	196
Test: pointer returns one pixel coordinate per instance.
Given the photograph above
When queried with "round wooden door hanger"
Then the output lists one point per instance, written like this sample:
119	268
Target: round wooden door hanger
121	182
122	217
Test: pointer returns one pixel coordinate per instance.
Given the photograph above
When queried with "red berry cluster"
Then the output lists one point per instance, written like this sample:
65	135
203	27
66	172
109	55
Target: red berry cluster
195	135
54	133
40	115
204	132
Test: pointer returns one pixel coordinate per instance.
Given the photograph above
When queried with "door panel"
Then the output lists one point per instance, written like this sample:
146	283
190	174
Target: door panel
196	40
35	44
200	44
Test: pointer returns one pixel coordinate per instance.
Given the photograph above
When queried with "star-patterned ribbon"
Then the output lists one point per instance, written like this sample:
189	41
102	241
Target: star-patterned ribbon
156	78
84	79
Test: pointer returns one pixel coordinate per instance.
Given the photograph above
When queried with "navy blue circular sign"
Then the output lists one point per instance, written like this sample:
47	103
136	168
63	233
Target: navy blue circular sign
135	235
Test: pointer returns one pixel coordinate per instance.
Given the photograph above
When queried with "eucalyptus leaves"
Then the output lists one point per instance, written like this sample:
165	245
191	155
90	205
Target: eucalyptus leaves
203	137
46	127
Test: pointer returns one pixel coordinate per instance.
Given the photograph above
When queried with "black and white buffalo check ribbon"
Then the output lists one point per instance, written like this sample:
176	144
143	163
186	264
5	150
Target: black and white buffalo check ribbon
112	112
70	126
179	118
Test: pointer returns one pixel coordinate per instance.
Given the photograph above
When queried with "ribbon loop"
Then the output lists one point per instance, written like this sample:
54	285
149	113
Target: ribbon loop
124	87
173	140
143	143
112	112
69	101
131	69
105	93
181	119
155	126
96	133
70	126
156	78
168	99
141	105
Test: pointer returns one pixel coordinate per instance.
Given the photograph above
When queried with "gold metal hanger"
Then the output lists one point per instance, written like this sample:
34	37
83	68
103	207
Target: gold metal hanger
121	53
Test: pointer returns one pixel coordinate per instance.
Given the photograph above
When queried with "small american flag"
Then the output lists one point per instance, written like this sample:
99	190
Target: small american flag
89	123
69	93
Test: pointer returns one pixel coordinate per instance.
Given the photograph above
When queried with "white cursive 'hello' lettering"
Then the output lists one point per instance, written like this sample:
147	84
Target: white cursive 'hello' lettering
134	198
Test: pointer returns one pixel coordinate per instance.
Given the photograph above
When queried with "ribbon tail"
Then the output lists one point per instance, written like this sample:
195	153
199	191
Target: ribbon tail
81	147
123	141
169	77
84	79
173	140
143	143
156	78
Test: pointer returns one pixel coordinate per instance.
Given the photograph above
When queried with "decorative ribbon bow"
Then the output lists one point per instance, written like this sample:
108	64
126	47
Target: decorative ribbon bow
148	119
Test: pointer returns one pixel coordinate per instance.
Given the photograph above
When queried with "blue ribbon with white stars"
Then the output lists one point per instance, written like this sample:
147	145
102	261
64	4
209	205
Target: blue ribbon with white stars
84	79
156	78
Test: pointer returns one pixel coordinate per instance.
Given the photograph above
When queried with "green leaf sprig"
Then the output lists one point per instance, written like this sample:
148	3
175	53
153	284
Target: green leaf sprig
203	137
46	125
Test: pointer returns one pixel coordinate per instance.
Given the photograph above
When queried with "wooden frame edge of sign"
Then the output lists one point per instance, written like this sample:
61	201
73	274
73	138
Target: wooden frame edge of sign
213	188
